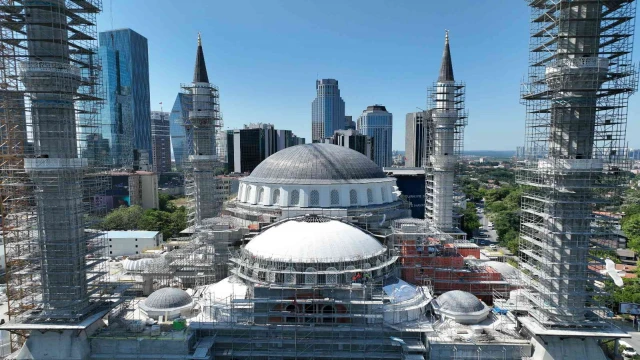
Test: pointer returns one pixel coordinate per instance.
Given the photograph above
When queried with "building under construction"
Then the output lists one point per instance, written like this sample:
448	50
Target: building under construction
445	120
580	78
202	123
49	133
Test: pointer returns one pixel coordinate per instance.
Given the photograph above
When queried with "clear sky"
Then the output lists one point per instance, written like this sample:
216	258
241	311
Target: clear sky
265	56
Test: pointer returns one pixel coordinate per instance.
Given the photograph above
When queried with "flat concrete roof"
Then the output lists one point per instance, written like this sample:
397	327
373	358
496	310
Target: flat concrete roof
53	326
131	234
608	332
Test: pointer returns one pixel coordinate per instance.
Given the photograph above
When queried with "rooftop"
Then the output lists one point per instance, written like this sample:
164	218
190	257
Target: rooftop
131	234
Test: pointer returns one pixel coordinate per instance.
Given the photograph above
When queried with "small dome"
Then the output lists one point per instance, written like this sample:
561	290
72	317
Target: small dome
312	239
168	298
315	164
459	302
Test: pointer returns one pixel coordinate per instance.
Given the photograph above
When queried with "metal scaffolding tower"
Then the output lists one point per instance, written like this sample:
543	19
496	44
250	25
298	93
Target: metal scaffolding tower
204	118
446	120
580	78
50	166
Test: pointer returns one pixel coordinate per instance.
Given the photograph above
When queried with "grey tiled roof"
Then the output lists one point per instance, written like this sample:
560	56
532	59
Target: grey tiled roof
316	164
459	301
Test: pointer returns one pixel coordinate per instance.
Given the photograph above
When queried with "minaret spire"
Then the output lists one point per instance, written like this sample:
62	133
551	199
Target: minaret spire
200	71
446	69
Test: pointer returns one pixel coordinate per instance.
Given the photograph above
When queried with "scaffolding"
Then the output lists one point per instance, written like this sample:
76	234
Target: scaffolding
580	78
51	166
446	134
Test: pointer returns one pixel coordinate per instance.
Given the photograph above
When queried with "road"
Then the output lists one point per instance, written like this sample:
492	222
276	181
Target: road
490	234
635	335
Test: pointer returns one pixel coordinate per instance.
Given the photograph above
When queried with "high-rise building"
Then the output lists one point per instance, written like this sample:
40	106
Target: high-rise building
160	142
353	140
126	114
180	134
377	123
416	134
202	164
247	147
327	110
446	120
580	77
349	124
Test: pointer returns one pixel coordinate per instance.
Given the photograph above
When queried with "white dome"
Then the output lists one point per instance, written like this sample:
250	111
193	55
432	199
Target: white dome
314	240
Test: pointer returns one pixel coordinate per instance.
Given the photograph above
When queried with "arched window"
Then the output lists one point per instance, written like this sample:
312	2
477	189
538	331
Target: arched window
247	192
295	198
378	264
290	276
349	273
260	199
311	276
335	197
369	196
383	192
314	199
275	199
292	310
332	276
353	197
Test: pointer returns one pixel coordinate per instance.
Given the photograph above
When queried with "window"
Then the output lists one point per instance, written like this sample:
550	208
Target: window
246	193
110	252
289	276
315	198
136	252
276	197
110	245
260	199
327	312
369	196
295	198
311	276
353	197
332	276
335	197
271	274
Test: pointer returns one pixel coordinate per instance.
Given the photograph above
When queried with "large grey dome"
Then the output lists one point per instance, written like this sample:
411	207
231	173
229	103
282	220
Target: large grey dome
459	302
315	164
167	298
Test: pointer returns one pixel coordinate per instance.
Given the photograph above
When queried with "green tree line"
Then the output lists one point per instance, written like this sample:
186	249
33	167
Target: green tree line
168	219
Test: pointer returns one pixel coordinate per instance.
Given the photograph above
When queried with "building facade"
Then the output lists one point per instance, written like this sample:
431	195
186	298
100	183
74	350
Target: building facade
180	135
160	142
248	147
353	140
349	124
126	113
416	134
128	243
377	123
327	110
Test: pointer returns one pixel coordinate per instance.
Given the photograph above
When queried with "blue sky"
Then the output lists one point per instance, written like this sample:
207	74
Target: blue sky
265	56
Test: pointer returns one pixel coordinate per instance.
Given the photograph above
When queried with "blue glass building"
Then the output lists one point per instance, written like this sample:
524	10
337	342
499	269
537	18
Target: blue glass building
180	134
126	115
327	110
377	123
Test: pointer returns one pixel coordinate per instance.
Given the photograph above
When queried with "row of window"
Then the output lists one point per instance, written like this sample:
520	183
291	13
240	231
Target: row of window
314	197
311	277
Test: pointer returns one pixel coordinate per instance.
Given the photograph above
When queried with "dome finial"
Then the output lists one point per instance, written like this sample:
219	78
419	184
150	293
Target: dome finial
199	39
446	36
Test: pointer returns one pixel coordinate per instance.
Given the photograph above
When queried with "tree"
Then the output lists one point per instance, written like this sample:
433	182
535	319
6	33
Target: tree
165	204
470	220
123	218
631	226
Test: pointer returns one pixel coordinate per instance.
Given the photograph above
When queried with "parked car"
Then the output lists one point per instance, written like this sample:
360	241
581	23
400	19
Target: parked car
628	351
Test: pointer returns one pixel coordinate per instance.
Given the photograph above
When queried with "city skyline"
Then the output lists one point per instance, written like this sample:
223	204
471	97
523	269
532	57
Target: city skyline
263	67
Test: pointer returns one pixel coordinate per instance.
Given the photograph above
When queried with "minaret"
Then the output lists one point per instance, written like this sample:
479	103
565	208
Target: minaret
203	120
442	148
580	77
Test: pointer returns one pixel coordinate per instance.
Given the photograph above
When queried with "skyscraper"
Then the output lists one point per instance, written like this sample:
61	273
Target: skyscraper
179	129
377	123
446	120
580	77
126	114
160	142
416	132
349	124
327	110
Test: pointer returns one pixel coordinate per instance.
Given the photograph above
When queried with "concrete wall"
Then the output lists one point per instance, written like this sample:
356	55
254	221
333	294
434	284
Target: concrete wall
121	246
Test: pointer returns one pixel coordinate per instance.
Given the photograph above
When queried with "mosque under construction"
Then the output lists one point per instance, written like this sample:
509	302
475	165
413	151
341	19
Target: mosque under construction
317	257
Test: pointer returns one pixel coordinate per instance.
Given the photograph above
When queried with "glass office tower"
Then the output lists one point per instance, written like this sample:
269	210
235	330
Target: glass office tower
180	135
327	110
126	114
